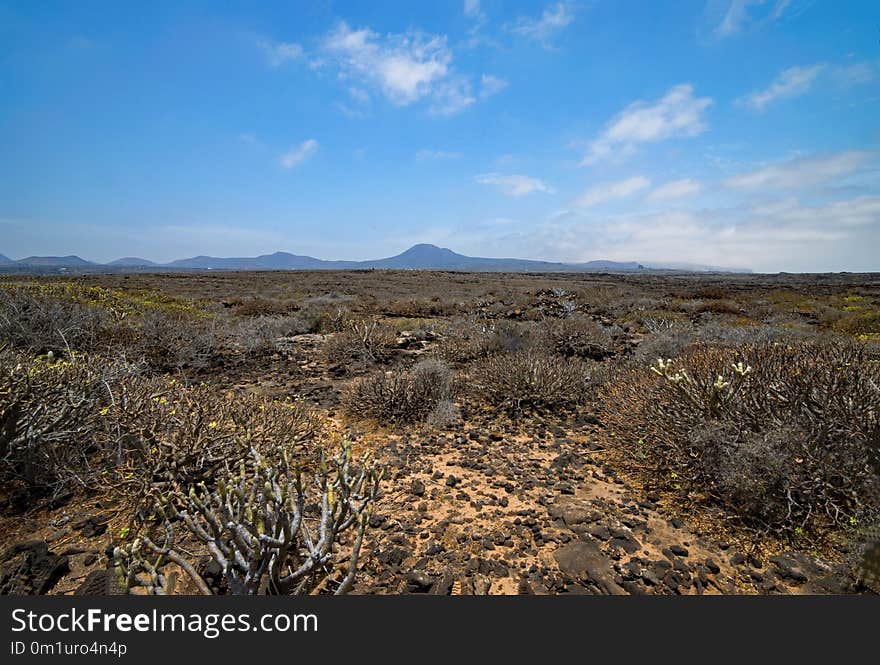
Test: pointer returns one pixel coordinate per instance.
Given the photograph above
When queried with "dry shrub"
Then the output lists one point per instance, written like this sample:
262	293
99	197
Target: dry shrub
50	421
173	341
465	342
400	396
90	422
579	338
168	435
262	307
40	324
364	340
445	415
861	323
259	335
420	309
718	307
556	303
785	436
531	379
711	293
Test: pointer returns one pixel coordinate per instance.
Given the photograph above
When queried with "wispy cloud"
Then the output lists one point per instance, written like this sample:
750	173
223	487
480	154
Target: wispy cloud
426	155
547	26
677	114
299	154
514	185
249	139
791	82
675	189
452	96
491	85
856	73
802	171
278	53
739	15
611	191
472	9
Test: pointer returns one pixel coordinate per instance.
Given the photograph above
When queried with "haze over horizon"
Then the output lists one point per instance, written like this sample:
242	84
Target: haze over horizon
736	133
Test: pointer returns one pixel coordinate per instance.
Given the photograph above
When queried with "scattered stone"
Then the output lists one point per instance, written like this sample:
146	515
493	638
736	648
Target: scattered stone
29	568
584	561
418	581
787	568
100	583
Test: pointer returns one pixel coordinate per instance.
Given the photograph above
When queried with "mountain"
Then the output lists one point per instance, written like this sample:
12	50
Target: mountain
431	257
4	260
417	257
132	262
54	262
276	261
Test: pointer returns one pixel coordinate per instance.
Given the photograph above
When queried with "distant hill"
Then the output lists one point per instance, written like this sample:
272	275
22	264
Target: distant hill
431	257
417	257
55	262
4	260
133	262
276	261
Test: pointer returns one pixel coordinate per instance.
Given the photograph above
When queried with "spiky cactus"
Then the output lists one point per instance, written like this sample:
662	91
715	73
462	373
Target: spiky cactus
273	531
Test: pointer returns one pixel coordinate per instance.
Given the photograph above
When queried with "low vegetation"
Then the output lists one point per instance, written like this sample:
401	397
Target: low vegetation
219	415
784	436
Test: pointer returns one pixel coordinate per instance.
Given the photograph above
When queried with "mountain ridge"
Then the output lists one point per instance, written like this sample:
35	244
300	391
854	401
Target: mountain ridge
422	256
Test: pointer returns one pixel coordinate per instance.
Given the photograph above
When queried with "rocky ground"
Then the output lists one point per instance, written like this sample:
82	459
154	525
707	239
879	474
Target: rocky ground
540	512
526	508
491	505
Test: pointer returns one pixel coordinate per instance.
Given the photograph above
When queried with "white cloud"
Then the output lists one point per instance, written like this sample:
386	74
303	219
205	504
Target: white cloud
677	114
491	85
452	96
426	155
514	185
299	154
840	235
802	171
280	52
791	82
738	15
405	67
676	189
611	191
544	28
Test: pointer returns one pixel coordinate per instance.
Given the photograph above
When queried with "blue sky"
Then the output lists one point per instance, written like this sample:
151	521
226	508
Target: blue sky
739	133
